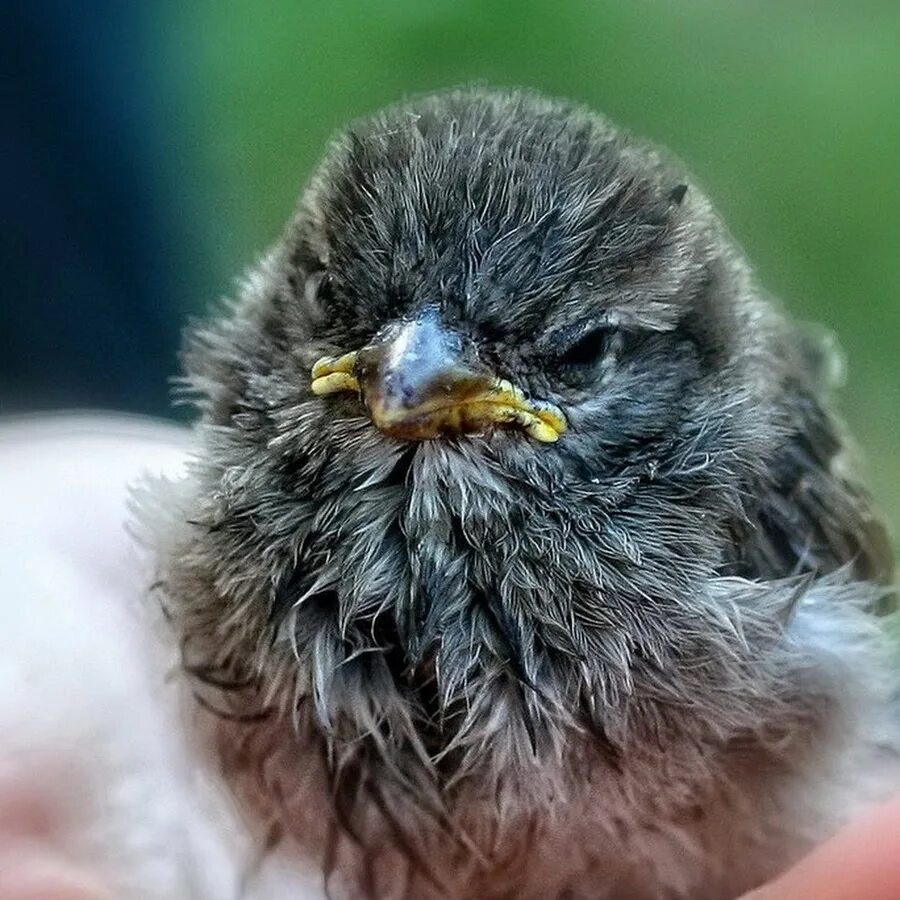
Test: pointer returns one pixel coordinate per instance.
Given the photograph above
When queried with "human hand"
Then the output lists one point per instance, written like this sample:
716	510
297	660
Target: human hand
33	864
90	471
860	863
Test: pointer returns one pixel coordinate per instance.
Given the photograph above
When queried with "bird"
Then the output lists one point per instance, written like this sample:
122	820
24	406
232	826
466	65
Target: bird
523	552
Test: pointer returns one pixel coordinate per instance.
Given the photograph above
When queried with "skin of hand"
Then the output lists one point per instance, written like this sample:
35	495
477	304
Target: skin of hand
32	865
860	863
98	797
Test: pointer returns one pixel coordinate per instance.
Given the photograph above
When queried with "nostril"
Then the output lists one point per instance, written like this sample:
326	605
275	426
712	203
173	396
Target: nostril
396	390
407	393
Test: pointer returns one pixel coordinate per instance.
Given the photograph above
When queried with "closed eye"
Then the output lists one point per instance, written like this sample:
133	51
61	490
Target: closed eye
588	349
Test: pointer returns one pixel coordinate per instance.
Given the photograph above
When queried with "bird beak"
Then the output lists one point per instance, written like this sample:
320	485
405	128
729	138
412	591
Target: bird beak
421	380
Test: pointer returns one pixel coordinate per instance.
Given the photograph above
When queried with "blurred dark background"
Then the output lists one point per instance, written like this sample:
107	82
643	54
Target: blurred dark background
154	149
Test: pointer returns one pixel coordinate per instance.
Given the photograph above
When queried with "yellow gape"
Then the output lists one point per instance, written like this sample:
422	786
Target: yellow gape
461	407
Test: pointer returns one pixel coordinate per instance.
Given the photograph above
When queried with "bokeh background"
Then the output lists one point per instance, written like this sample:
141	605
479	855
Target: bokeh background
154	149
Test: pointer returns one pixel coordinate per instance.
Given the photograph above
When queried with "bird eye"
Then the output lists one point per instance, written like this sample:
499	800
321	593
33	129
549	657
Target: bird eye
587	349
316	293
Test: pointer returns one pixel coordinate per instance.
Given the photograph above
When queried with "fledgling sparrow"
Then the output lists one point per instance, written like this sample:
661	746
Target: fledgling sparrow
523	555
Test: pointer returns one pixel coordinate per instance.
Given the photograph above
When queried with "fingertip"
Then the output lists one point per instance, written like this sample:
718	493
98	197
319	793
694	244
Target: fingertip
862	861
40	874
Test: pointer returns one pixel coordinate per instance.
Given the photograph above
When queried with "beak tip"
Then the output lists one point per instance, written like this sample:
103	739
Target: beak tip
545	434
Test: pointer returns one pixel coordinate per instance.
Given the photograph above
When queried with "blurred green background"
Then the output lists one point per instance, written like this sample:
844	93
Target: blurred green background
788	113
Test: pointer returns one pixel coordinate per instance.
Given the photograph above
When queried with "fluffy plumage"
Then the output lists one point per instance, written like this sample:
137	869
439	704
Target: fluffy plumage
643	661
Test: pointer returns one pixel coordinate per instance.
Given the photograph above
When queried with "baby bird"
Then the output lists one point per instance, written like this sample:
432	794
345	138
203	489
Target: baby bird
522	555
